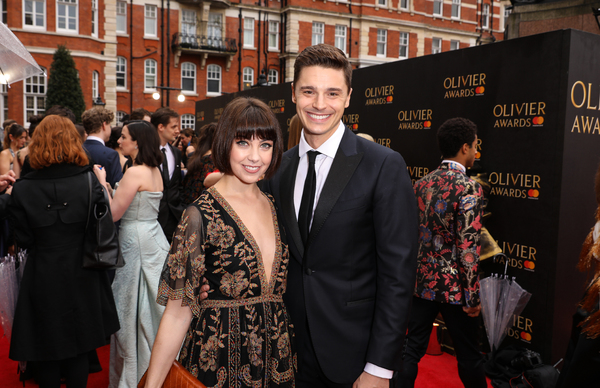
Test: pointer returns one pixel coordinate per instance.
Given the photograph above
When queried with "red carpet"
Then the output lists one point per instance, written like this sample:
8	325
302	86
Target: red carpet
434	371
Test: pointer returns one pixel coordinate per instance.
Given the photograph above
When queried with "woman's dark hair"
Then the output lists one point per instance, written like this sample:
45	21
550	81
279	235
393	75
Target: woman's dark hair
115	134
148	143
202	146
246	118
34	122
15	131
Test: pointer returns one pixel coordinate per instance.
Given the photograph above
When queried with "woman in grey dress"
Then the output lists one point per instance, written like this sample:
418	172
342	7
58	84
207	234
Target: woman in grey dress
144	247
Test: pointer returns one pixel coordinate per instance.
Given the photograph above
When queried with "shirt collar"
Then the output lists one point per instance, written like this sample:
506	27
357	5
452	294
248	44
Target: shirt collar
92	137
329	148
455	164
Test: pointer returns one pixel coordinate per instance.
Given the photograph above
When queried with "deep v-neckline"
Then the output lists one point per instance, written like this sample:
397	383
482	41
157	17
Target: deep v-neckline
266	284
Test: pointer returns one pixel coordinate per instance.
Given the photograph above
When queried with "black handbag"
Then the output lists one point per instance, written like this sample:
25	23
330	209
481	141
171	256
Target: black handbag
101	246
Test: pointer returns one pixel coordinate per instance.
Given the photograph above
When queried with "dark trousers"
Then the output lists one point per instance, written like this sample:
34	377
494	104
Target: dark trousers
463	331
75	370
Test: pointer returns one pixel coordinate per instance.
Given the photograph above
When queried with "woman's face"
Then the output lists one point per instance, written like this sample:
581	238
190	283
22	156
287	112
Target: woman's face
250	159
185	140
19	141
127	145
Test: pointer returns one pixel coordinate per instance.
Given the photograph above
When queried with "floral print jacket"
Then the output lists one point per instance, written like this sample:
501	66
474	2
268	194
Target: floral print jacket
450	217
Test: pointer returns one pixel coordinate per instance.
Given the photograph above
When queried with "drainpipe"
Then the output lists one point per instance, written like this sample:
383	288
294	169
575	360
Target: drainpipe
162	45
130	56
168	50
241	26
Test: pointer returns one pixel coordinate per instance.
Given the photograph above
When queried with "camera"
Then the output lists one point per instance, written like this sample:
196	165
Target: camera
526	360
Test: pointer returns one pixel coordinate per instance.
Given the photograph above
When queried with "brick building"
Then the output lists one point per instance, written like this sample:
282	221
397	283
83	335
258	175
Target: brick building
125	51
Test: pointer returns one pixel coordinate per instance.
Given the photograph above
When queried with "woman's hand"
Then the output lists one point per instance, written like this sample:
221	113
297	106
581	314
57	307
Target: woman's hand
100	174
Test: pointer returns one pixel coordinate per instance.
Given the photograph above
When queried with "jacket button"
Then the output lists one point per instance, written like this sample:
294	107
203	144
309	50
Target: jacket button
48	206
308	271
65	204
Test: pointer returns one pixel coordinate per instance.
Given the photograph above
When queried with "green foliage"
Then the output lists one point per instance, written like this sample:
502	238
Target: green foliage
63	85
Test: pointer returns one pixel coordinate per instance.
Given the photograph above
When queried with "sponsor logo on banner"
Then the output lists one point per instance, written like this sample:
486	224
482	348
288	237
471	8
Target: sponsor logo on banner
277	106
478	149
518	256
384	141
415	119
416	173
520	115
218	113
581	98
351	120
515	185
469	85
379	95
522	329
200	116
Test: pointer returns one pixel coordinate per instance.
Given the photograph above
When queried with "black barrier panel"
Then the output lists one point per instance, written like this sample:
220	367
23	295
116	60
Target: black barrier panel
536	102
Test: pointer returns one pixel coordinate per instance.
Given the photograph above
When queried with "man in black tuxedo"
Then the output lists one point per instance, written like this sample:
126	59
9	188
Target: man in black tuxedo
166	121
351	222
96	122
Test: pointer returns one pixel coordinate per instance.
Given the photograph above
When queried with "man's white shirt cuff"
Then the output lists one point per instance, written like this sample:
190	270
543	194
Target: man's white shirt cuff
377	371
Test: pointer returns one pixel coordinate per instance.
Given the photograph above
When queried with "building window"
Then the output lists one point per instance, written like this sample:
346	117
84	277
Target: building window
35	95
273	35
340	37
318	33
95	78
248	32
188	77
150	74
248	77
381	42
456	9
382	3
188	26
120	116
485	20
95	18
507	12
188	121
214	25
150	20
213	77
3	9
3	103
121	72
403	4
122	17
66	13
35	13
454	45
403	53
273	77
438	7
436	45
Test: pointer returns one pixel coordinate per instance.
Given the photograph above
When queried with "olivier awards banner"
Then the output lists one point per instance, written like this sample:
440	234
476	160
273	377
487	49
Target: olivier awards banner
536	102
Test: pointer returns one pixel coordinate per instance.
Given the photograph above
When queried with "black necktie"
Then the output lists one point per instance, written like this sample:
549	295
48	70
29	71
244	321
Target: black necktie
165	167
308	197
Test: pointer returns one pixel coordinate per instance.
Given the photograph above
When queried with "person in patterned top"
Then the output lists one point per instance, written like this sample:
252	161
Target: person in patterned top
229	238
450	217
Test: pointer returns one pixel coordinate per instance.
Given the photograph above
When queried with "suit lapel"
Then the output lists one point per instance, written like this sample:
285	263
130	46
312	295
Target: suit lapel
288	181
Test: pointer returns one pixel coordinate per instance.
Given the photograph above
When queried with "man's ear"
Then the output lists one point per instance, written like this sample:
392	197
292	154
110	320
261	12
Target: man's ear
293	94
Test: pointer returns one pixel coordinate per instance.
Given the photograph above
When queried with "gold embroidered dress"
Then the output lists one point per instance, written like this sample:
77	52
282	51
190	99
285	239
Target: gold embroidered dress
241	335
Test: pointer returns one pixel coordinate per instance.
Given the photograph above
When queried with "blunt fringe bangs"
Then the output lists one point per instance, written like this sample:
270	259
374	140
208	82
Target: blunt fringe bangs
246	118
148	143
453	133
56	141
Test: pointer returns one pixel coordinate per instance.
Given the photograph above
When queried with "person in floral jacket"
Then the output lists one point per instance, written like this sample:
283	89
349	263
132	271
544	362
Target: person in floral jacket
450	217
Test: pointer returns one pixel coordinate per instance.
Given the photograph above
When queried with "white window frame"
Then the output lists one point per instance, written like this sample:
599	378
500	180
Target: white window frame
248	76
34	14
215	26
188	25
403	4
95	84
122	17
94	6
249	32
436	45
273	77
381	3
70	7
273	35
485	19
341	32
188	71
3	102
150	72
213	73
381	42
119	116
35	87
187	121
404	41
318	33
3	11
440	4
150	18
121	69
454	45
455	9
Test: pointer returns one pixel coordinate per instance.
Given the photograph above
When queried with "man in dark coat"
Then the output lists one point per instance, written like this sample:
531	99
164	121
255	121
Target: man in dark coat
96	122
166	121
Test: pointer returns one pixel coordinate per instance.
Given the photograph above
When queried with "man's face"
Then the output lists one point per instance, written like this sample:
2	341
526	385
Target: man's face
169	132
321	95
471	154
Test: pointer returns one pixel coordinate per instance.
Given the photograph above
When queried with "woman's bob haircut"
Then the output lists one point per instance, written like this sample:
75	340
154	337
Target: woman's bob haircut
56	141
148	143
246	118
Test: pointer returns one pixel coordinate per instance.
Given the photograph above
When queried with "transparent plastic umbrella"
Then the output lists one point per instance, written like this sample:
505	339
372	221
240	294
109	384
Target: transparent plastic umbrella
16	63
514	299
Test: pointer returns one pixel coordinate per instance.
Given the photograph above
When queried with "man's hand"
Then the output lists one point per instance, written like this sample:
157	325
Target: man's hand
366	380
472	311
7	180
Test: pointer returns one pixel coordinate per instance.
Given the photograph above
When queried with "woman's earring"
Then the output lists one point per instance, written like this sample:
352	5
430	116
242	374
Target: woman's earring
136	147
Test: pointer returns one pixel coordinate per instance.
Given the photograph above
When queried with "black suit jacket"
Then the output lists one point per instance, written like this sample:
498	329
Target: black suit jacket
171	206
106	157
354	282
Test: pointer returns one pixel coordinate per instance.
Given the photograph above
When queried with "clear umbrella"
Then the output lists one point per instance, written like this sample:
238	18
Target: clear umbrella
16	63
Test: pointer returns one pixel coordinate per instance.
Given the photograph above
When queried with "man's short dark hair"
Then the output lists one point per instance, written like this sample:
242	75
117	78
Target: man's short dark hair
326	56
246	118
453	134
163	116
148	143
92	119
60	110
139	114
